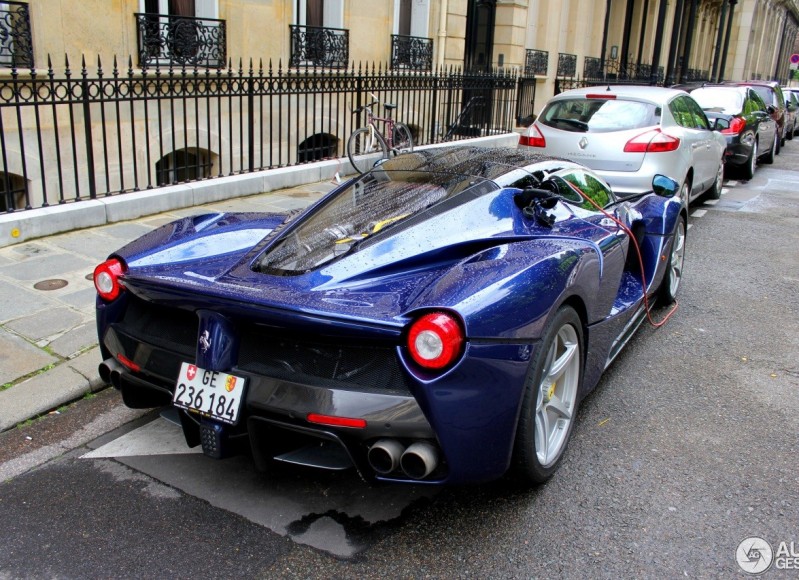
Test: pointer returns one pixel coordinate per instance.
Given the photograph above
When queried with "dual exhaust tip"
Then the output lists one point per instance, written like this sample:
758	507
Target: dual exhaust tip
111	372
417	461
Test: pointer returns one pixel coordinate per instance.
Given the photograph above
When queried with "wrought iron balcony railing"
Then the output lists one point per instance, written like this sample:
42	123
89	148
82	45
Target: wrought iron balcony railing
614	71
411	52
16	43
319	46
536	62
181	41
567	64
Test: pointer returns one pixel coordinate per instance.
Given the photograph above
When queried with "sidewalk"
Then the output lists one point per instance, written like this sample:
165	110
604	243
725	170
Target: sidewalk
48	338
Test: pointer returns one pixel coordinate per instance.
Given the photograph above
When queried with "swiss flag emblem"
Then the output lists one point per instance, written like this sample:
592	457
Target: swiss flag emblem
191	372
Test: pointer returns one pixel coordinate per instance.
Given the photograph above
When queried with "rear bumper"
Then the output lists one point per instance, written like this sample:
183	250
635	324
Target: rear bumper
468	415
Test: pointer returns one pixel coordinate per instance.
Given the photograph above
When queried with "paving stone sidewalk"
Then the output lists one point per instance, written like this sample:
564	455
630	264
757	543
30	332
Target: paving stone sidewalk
48	339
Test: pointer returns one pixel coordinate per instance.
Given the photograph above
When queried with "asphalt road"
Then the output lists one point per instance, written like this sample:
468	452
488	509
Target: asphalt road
687	447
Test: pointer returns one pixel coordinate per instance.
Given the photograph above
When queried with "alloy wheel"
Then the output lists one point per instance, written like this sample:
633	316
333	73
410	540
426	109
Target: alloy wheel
557	395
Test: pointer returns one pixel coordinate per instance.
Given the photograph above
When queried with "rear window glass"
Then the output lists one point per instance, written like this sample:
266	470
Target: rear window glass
719	100
599	115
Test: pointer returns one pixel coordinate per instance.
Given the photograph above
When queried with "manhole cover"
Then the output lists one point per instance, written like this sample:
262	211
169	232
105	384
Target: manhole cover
54	284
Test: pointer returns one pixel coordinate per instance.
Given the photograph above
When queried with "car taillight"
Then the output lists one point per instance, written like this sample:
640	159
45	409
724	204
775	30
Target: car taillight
435	340
533	138
736	126
106	279
653	141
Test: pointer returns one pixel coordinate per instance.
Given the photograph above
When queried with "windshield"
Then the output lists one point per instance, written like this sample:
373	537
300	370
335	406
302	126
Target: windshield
372	205
719	100
599	115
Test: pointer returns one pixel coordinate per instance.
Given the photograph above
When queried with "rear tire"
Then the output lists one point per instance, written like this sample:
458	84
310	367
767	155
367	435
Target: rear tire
403	139
715	190
363	148
769	157
748	170
551	398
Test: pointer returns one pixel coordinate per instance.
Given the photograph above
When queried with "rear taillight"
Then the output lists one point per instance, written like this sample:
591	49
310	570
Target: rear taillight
106	279
533	138
736	126
435	340
653	141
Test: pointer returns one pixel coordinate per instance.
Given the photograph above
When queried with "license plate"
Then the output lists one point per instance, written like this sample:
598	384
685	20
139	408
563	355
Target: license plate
212	394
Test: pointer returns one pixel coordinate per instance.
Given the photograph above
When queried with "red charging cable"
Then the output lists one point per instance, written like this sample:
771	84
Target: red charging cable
647	307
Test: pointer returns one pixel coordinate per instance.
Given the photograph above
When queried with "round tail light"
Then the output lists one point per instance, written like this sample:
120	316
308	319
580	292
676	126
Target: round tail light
435	340
106	279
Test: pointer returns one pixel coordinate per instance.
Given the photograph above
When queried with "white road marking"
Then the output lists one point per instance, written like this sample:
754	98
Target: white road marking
732	182
711	201
159	437
698	213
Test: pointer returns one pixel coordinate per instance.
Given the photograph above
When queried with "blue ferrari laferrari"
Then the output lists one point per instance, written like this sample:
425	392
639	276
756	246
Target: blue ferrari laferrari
435	320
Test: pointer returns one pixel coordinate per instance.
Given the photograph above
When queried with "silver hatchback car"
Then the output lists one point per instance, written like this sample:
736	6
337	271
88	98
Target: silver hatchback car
627	134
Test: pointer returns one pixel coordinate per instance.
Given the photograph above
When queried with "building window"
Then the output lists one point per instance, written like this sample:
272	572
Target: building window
318	38
181	32
12	192
317	147
16	43
183	165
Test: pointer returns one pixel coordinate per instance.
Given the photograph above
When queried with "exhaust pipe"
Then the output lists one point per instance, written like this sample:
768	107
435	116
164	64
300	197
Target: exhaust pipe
111	372
384	456
419	460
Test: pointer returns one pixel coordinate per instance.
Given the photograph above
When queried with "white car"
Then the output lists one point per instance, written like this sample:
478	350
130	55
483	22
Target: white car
627	134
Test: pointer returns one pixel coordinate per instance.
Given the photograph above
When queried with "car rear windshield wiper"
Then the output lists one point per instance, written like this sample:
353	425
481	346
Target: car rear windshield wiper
573	122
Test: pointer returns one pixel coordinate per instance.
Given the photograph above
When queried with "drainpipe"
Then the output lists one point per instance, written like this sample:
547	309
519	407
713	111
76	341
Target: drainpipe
442	32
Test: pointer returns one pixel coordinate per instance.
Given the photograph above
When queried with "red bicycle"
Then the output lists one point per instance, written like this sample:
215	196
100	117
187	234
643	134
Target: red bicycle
367	145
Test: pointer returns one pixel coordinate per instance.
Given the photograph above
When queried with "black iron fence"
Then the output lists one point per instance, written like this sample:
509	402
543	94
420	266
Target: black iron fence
79	136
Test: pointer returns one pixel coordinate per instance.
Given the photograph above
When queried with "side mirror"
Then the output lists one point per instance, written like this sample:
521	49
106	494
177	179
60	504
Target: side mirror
720	124
665	186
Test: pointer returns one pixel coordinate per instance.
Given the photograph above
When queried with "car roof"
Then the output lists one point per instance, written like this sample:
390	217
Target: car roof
761	83
728	88
642	92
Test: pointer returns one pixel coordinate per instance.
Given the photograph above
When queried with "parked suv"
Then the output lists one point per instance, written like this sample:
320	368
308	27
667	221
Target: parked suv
771	93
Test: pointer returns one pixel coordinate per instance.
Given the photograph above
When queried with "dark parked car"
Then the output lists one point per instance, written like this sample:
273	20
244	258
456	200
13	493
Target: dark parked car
744	120
437	319
771	92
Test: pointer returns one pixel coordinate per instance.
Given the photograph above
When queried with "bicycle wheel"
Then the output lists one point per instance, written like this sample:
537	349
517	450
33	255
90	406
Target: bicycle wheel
403	140
364	148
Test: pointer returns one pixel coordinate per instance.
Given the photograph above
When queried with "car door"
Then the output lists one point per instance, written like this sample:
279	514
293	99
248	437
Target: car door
767	127
698	140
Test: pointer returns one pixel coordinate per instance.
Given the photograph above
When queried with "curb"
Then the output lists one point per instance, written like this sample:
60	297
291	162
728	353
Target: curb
64	383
